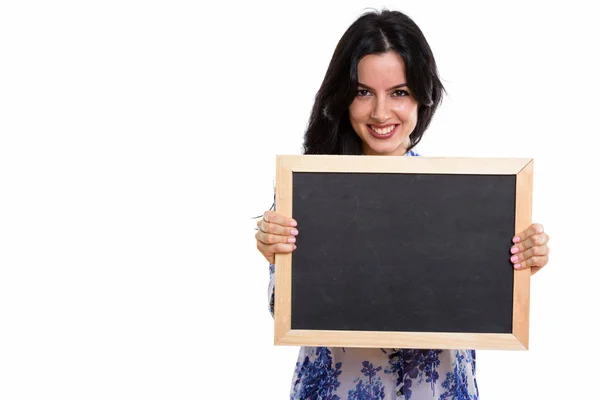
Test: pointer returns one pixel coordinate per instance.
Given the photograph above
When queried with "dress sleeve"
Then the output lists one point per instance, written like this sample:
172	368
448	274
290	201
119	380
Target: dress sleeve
271	291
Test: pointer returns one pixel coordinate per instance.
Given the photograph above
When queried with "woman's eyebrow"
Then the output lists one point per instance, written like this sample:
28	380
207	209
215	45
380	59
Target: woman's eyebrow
401	85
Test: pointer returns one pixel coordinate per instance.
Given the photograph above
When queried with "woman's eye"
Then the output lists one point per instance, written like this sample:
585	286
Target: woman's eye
401	93
362	93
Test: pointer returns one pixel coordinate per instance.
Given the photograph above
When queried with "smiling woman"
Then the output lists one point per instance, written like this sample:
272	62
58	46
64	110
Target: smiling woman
378	97
380	91
384	113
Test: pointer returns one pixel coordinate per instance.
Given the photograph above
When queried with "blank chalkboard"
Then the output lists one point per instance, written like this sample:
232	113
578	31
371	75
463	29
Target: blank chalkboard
403	252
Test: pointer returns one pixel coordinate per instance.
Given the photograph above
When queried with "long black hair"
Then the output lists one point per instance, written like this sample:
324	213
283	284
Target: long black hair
329	130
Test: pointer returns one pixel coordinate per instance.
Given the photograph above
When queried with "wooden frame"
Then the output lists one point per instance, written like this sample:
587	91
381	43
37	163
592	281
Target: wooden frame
285	335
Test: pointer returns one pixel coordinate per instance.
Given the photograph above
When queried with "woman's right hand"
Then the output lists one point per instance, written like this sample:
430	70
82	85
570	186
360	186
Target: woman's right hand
276	234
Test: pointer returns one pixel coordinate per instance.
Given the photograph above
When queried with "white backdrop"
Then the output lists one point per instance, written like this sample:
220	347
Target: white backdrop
138	140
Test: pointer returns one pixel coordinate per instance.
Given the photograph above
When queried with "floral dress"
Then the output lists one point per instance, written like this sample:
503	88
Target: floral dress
337	373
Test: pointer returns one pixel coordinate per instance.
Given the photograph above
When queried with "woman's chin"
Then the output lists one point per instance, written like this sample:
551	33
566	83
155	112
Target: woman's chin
397	150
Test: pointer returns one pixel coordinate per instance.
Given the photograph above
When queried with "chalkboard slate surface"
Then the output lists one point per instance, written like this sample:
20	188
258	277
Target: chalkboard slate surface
362	262
403	252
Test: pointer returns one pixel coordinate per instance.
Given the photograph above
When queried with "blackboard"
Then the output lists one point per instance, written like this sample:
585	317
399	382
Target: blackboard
403	252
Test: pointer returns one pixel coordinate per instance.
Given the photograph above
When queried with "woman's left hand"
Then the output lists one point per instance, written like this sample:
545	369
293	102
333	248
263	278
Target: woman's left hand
530	249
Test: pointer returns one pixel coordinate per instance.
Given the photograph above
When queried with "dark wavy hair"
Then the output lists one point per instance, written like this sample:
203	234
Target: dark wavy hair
375	32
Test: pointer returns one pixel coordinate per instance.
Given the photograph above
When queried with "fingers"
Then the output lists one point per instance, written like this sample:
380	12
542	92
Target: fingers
532	241
269	251
275	248
531	248
270	238
275	218
275	234
533	229
276	229
533	262
535	253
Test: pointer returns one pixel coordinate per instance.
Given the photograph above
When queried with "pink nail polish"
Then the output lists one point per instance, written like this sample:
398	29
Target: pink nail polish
514	258
517	266
294	232
516	239
514	250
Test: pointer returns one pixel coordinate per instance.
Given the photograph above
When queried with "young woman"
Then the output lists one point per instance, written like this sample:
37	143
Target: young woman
377	98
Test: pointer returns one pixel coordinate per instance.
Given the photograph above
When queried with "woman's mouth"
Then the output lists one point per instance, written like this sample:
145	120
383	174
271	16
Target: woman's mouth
382	132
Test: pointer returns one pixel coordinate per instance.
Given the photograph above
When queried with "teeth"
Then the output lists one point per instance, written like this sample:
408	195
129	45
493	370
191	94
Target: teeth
383	131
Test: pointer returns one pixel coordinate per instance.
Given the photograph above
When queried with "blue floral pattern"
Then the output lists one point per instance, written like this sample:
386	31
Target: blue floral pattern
410	364
337	373
316	378
371	387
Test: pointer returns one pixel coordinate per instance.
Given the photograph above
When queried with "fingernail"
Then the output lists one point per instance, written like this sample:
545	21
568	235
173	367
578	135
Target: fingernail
514	258
292	240
517	266
514	249
293	223
294	232
516	239
295	247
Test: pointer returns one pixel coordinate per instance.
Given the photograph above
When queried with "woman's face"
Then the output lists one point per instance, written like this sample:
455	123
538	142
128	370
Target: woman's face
384	112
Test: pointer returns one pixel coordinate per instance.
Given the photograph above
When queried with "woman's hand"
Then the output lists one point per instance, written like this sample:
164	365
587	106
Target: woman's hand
276	234
530	249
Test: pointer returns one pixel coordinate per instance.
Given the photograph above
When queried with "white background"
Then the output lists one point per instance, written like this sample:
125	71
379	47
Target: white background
138	140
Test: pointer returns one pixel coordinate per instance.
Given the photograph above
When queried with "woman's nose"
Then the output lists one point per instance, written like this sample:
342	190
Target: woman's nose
381	111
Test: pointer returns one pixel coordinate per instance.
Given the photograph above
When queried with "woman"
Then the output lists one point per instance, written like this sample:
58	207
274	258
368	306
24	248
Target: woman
377	98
